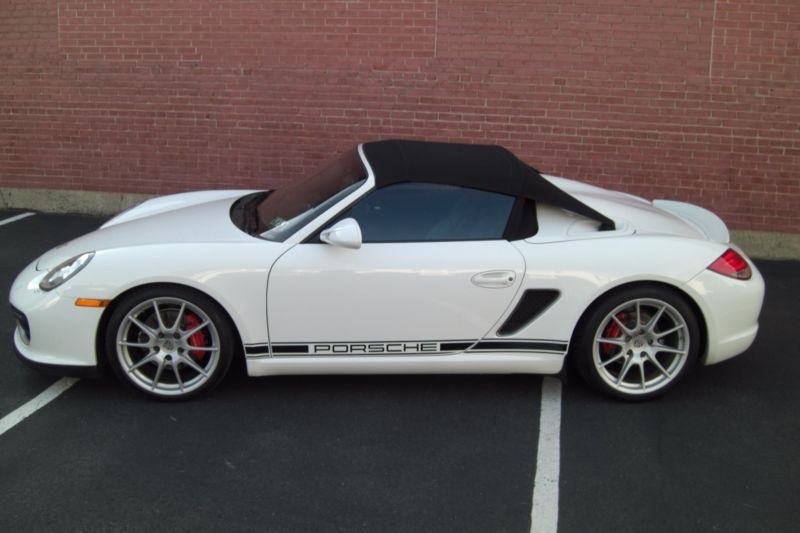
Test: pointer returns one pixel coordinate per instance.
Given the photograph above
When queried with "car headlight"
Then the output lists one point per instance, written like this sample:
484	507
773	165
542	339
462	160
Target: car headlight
65	271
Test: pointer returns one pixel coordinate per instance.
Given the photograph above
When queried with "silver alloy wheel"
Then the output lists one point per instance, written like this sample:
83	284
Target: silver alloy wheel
168	346
641	346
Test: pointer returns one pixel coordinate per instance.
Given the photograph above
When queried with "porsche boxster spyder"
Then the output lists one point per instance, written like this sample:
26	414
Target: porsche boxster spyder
397	257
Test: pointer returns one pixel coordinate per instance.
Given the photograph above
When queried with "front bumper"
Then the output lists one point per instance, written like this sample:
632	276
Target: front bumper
59	335
52	369
731	308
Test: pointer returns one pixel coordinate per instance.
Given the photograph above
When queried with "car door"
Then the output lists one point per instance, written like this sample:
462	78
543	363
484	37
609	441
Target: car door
432	276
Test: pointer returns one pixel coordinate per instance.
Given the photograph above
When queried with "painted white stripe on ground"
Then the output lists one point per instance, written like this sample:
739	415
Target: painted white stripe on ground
544	511
48	395
15	218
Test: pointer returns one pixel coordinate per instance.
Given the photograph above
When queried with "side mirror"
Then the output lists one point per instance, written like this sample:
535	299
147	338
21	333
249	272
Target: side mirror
346	233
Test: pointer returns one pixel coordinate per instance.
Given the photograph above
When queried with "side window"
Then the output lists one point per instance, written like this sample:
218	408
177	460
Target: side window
414	212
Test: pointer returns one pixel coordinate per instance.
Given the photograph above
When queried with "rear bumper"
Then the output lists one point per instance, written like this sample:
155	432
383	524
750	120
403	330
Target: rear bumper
730	308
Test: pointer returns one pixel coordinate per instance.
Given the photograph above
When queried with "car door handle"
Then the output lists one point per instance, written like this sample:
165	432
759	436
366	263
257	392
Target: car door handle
495	279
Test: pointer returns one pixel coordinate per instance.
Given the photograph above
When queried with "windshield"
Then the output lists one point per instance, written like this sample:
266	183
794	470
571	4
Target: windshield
286	210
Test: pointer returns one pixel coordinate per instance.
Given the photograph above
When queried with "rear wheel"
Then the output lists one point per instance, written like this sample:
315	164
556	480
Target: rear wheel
169	342
637	343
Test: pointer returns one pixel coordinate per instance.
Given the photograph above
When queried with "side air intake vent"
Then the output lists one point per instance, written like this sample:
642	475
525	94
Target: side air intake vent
531	305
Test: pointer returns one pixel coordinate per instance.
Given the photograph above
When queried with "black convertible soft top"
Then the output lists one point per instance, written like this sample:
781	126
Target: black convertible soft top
480	166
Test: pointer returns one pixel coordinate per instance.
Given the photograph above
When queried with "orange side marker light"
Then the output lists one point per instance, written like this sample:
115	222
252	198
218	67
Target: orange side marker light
91	302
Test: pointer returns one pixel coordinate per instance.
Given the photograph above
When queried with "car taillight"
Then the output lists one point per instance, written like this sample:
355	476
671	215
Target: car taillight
732	264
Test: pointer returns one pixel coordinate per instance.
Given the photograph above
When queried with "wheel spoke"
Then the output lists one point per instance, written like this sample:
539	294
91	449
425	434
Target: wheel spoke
177	325
201	348
194	330
621	325
654	360
177	375
638	314
159	318
652	323
670	331
615	358
641	374
668	349
614	341
194	366
160	370
142	326
625	368
134	344
143	361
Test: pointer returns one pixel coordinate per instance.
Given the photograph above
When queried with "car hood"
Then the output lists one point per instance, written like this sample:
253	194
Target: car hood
642	216
197	217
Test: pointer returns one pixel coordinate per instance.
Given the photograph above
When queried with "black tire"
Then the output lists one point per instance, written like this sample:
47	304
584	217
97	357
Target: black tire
185	353
642	358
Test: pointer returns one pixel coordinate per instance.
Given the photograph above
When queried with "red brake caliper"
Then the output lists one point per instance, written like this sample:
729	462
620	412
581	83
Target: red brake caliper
198	338
612	331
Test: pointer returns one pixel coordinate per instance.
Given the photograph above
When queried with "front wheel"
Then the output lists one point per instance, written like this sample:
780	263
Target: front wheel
169	342
637	343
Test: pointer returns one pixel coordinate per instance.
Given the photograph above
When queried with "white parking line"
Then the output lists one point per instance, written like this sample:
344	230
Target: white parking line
15	218
544	511
48	395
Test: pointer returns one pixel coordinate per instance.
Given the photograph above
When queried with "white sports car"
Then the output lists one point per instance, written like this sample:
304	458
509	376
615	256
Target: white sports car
399	257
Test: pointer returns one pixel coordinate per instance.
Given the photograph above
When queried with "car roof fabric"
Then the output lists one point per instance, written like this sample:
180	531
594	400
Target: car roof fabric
480	166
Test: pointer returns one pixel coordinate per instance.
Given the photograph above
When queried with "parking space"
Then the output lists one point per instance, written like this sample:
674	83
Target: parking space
21	242
400	453
287	454
719	453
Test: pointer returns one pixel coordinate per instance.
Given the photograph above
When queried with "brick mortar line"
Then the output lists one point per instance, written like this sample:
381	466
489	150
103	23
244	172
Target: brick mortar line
711	51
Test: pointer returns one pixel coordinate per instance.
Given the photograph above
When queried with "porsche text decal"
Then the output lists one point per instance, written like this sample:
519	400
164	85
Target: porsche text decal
404	348
375	348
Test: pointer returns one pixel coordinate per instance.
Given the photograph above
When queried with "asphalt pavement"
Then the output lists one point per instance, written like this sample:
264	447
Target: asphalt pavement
400	453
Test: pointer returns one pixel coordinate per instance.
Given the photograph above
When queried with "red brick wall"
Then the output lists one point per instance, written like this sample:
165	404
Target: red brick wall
690	99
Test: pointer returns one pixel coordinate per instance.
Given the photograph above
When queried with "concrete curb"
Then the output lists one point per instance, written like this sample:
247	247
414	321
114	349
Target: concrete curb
760	244
62	201
768	245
